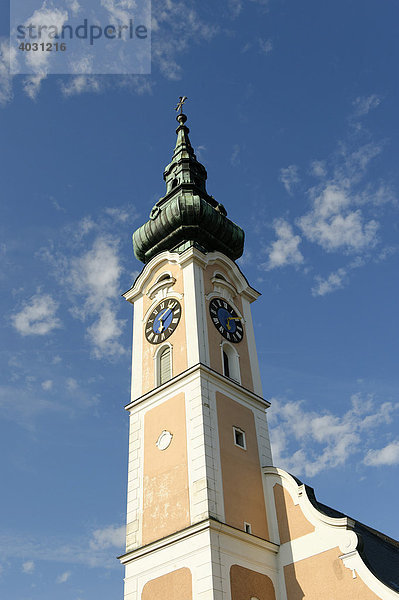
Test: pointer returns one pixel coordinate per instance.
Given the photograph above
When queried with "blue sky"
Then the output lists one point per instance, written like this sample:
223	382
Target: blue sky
293	111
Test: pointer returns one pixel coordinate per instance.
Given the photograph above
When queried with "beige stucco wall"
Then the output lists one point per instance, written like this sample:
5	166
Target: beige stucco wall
178	337
291	521
165	487
246	584
324	576
215	339
241	471
172	586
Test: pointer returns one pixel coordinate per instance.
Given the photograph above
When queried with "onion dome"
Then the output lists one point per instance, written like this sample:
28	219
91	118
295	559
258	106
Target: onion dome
187	215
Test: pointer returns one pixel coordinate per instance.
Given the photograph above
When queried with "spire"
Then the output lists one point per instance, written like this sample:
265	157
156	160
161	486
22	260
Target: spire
185	171
187	214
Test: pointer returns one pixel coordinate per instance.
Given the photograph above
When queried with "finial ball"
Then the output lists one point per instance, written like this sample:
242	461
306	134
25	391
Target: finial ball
181	118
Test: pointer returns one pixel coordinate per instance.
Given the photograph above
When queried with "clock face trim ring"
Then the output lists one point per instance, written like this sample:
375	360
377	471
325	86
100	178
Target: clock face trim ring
226	320
163	320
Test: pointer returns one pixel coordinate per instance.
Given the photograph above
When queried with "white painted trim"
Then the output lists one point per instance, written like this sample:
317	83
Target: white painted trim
226	386
329	533
253	356
157	365
191	315
239	430
203	340
236	276
137	350
234	361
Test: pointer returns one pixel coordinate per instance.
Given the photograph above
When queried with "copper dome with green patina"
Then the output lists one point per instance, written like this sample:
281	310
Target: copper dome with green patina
187	215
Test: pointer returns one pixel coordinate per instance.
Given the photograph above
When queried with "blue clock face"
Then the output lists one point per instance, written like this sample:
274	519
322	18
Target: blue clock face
163	321
226	320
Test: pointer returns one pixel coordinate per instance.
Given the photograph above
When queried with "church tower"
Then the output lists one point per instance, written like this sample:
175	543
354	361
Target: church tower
198	430
208	516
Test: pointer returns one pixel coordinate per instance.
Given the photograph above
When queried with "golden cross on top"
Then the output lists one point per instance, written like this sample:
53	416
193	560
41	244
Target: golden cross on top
180	104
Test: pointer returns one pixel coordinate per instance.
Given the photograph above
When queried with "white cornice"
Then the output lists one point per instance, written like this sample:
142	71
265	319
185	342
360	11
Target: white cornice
180	381
207	525
192	254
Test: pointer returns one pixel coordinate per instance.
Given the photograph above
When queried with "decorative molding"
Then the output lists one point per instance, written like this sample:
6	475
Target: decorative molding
160	289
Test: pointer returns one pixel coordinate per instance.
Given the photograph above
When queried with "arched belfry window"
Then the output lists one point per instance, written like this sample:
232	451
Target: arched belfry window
163	364
231	362
226	365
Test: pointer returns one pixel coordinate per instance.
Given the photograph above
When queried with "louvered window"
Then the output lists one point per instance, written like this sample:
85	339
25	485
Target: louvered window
165	365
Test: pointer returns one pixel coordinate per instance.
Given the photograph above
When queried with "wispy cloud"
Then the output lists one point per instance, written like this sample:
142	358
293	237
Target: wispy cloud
37	316
95	276
335	280
28	567
47	385
289	177
306	442
334	225
63	578
6	91
364	104
88	266
389	455
64	549
108	537
285	249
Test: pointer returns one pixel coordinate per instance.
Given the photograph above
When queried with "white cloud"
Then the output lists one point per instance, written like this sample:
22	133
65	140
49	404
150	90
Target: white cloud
235	156
80	84
284	251
47	385
37	317
95	275
172	35
108	537
72	384
307	442
336	279
318	168
28	567
389	455
364	104
333	225
289	177
333	282
265	46
104	333
32	85
6	93
63	578
66	549
120	215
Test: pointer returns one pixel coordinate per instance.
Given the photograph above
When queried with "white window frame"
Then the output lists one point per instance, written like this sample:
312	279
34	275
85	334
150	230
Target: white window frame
234	361
239	430
247	527
157	371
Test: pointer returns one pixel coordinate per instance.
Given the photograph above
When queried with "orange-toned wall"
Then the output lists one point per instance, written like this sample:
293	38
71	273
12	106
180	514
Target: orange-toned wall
324	576
166	506
178	337
291	521
215	339
176	585
246	584
241	470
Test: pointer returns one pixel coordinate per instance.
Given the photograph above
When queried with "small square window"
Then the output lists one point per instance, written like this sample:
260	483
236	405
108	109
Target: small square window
239	438
247	527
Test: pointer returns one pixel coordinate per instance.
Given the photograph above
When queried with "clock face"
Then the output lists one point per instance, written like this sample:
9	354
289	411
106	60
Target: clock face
163	321
226	320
